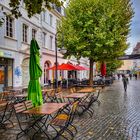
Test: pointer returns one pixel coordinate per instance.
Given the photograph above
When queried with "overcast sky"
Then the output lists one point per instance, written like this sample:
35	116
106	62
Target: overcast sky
134	36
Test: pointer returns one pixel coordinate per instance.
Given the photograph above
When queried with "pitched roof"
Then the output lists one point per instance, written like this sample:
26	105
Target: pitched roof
137	48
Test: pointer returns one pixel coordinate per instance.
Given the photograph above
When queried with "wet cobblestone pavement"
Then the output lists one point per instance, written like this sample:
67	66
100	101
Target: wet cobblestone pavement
116	118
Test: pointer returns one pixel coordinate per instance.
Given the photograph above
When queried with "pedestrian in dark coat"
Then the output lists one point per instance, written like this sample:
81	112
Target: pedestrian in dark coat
125	82
130	75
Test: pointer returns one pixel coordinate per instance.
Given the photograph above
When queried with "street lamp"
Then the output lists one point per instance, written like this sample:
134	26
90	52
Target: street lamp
56	64
63	51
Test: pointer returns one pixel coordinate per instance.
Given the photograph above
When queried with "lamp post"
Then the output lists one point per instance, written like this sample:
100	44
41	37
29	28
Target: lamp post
63	51
56	64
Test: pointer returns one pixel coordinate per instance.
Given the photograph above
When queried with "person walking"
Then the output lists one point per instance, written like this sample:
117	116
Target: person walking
125	82
135	76
130	75
118	76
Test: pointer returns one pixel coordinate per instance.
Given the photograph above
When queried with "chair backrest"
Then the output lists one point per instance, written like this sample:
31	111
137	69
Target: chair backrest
9	111
51	95
98	93
59	97
59	89
28	104
19	108
7	95
24	90
3	108
1	96
72	111
74	89
71	90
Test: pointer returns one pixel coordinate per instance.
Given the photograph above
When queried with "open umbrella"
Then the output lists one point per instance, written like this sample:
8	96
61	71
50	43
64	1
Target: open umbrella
64	67
34	88
81	67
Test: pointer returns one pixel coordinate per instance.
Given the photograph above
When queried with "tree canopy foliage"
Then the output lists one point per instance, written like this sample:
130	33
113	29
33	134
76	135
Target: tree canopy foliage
96	29
32	6
113	65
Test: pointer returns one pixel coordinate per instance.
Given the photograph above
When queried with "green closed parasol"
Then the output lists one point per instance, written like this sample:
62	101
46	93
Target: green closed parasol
34	87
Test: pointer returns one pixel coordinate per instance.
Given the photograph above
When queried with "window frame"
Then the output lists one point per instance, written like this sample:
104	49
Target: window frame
51	42
25	33
34	32
44	39
51	19
9	27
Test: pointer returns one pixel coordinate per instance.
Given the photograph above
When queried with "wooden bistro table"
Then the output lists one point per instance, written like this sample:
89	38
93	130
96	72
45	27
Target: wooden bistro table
45	109
87	90
17	90
76	96
20	97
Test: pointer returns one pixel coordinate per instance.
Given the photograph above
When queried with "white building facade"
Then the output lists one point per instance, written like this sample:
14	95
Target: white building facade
15	37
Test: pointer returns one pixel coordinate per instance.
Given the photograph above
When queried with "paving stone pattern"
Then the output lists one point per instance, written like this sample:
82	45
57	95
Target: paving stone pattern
116	118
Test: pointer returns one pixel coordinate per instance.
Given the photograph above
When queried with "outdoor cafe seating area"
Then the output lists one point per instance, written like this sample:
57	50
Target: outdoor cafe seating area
51	119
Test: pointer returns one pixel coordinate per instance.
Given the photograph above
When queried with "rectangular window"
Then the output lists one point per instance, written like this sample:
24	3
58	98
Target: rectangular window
51	39
44	39
50	19
9	26
33	33
24	33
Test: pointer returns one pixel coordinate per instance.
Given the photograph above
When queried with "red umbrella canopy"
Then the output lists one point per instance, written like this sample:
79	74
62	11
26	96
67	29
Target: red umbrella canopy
103	69
64	67
81	67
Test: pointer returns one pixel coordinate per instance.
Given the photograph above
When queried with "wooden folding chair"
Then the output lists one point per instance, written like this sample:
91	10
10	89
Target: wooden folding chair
25	124
51	96
63	121
3	108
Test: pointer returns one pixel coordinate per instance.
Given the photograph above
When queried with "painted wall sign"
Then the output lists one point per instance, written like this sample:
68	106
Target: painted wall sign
6	54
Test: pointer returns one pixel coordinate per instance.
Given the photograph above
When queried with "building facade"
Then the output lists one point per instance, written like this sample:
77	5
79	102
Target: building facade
136	62
127	67
15	37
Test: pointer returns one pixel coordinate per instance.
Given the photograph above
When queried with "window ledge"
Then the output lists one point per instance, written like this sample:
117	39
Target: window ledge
25	43
45	48
10	38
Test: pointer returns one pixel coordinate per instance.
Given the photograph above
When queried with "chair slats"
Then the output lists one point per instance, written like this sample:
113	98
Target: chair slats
20	107
28	104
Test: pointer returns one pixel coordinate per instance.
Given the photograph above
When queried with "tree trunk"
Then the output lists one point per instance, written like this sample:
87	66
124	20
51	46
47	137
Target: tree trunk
91	72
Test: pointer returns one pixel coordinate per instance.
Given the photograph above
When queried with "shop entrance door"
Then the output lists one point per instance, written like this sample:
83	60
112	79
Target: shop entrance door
2	77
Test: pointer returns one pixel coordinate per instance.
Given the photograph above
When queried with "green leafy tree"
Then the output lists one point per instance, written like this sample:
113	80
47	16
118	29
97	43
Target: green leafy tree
32	6
113	65
95	29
